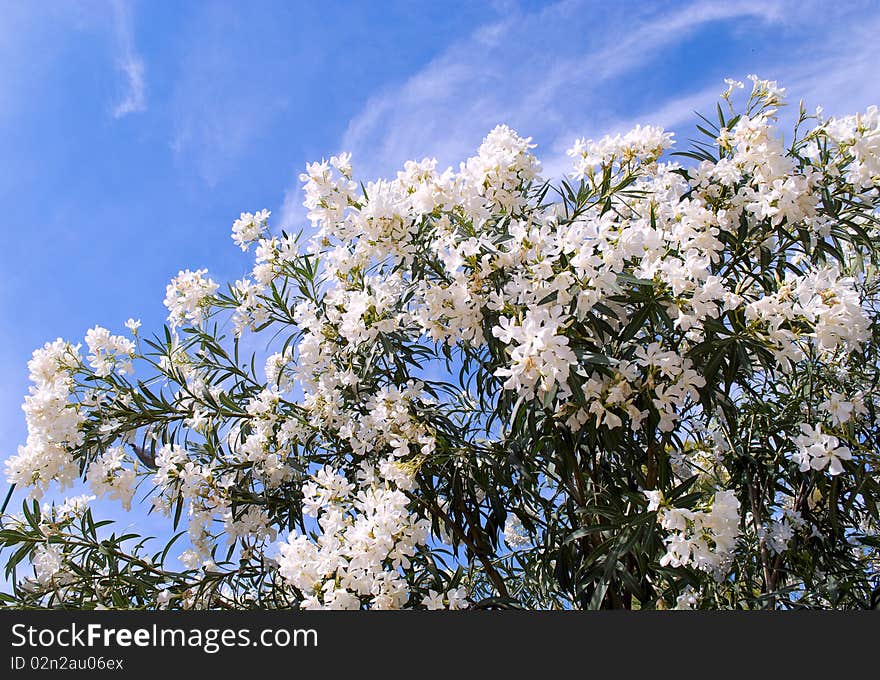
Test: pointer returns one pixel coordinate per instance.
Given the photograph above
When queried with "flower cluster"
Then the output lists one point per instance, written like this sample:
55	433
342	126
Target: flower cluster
249	227
109	352
857	140
823	302
109	475
779	533
365	537
540	355
48	561
639	145
703	538
187	296
53	421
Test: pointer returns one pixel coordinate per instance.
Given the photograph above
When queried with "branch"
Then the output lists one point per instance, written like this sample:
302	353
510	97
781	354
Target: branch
491	571
769	580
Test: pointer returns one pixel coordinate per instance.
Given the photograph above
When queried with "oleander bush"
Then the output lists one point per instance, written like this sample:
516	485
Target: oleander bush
650	385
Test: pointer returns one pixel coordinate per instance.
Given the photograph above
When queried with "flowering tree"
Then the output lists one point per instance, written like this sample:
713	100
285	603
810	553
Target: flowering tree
651	385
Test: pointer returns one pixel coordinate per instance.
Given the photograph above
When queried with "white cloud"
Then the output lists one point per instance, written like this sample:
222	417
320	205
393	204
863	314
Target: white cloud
129	62
541	73
578	68
134	100
575	69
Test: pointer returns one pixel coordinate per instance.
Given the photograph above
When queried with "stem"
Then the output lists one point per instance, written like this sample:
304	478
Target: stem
651	476
769	580
8	497
482	555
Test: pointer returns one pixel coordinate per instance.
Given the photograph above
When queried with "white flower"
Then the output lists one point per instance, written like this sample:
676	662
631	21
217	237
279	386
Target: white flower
817	450
53	422
778	533
641	144
71	508
839	410
434	600
109	352
365	538
687	600
515	534
249	228
731	86
655	499
48	562
457	598
187	296
704	539
108	475
163	597
541	357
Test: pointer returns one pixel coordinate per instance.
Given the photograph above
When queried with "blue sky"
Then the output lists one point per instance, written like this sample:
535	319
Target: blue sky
133	133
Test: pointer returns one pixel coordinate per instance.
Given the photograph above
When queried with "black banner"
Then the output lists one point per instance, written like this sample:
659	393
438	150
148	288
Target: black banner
332	644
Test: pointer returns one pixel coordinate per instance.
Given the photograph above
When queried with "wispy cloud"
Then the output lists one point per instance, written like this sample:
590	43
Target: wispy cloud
541	72
843	79
129	62
577	68
553	74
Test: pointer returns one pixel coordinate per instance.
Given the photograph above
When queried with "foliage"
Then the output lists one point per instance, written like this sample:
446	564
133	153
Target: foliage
650	385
